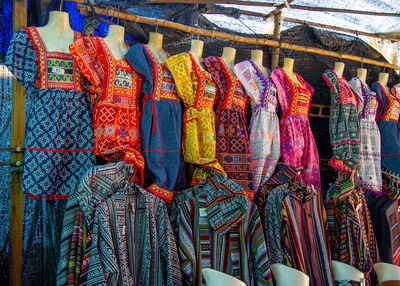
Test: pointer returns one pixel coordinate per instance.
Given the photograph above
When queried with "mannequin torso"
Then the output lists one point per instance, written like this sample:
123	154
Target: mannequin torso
387	272
257	58
286	276
115	41
196	50
339	68
288	68
228	55
342	271
57	35
155	45
362	75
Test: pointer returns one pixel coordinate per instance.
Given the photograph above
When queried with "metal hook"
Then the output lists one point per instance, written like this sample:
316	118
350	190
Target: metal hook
118	15
362	62
156	25
61	4
290	52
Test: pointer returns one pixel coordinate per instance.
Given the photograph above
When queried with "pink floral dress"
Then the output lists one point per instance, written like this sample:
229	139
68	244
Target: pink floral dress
298	146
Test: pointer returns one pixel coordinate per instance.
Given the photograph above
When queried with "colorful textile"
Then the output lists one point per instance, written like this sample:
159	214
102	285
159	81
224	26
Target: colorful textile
264	137
59	147
218	227
297	141
116	114
161	123
98	184
343	123
197	91
233	148
350	232
133	242
369	165
389	126
305	235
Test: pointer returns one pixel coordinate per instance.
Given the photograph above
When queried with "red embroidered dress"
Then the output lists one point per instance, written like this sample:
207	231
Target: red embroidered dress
297	141
116	114
233	148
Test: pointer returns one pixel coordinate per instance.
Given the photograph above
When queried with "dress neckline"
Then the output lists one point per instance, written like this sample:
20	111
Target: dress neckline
43	46
111	54
300	83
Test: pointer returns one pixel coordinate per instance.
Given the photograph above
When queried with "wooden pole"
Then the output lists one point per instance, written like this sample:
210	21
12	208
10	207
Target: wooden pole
236	38
277	36
268	4
19	18
279	8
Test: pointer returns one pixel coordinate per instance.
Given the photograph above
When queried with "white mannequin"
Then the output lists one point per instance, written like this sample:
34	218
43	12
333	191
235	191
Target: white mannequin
362	75
115	41
217	278
342	271
383	79
155	45
286	276
257	58
387	272
288	68
228	55
339	68
57	35
196	49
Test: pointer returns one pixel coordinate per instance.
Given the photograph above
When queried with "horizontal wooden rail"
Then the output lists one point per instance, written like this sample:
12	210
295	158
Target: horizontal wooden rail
236	38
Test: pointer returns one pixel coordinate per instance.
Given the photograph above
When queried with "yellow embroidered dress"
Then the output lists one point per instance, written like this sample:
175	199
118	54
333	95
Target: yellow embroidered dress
198	92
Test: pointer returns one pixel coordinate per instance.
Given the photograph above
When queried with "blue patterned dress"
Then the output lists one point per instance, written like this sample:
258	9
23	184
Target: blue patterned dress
59	147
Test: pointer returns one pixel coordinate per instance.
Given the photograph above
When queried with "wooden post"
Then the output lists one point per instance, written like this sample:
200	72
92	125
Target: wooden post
19	18
277	36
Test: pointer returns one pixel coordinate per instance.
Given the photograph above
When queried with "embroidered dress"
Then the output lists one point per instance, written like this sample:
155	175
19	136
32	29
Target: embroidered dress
218	227
197	91
264	136
369	165
343	123
133	242
389	127
297	141
59	147
305	235
233	148
116	114
161	123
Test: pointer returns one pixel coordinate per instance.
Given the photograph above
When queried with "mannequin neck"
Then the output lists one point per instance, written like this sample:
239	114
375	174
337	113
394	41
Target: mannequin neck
257	59
58	22
342	271
339	68
362	75
116	34
155	41
228	55
288	64
196	50
383	79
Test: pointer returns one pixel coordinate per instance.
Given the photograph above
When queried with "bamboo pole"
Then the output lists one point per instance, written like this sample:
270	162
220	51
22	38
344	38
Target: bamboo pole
236	38
19	19
263	4
268	4
277	36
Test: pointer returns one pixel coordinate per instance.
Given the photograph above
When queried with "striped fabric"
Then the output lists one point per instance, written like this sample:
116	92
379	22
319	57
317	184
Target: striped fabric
305	236
237	249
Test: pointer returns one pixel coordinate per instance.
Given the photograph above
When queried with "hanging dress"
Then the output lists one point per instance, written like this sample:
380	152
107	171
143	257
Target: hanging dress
369	165
161	123
297	141
389	127
59	147
343	123
233	148
197	91
264	137
116	114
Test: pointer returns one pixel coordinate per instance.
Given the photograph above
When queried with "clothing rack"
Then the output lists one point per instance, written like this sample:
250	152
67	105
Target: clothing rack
83	8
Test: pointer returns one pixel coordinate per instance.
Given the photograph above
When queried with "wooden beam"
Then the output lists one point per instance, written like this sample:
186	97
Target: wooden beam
19	18
236	38
268	4
279	8
277	36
